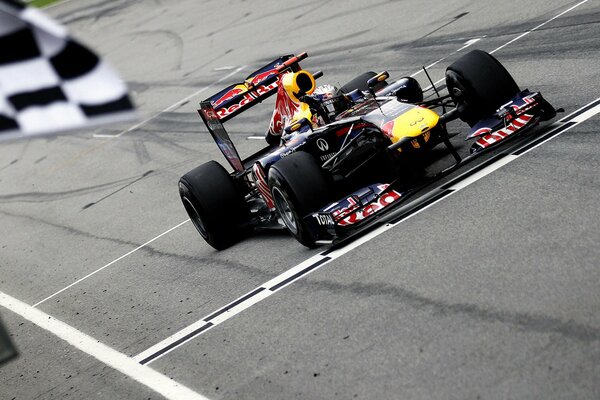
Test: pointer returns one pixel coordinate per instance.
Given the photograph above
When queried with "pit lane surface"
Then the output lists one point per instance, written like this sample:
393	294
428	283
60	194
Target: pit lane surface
490	293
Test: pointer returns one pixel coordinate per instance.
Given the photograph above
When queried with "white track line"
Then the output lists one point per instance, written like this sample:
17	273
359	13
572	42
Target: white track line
317	261
171	107
538	27
148	377
524	34
468	43
110	263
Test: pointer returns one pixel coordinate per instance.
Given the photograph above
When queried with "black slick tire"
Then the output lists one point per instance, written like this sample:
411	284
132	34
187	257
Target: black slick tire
214	204
479	85
299	186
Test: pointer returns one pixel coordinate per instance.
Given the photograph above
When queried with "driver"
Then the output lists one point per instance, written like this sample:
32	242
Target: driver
298	98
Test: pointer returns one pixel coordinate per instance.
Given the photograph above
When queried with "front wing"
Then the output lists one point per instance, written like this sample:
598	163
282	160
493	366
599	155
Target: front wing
346	216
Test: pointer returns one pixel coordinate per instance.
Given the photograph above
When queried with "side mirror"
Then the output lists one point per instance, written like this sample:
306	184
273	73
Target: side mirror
296	126
380	77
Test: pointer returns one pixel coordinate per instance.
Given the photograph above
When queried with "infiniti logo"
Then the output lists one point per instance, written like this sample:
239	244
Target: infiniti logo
322	144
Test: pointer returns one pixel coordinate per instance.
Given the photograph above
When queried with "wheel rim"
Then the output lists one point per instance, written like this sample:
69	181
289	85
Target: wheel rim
285	210
194	216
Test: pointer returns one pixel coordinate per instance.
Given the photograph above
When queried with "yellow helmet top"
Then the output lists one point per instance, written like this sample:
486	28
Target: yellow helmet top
297	84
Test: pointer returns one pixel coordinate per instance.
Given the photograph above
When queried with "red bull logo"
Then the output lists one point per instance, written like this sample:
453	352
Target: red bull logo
261	77
230	95
284	110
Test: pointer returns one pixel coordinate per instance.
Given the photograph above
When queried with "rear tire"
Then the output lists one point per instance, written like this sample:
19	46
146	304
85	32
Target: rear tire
214	204
299	186
479	85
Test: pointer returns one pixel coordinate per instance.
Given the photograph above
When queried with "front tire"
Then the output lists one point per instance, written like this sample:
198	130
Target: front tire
299	186
479	85
214	204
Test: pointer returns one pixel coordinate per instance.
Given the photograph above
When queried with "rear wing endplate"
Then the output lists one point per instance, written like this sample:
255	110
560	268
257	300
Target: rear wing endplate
220	136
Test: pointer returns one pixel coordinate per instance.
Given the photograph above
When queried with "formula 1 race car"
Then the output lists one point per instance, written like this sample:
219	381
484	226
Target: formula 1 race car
339	158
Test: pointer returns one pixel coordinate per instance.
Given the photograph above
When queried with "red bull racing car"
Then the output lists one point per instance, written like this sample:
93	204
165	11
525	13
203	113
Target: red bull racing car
337	159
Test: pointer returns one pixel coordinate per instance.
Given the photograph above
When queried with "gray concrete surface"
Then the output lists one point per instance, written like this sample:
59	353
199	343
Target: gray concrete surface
491	293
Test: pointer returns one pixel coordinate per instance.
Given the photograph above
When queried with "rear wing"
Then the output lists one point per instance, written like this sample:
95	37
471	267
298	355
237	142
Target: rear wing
239	97
258	86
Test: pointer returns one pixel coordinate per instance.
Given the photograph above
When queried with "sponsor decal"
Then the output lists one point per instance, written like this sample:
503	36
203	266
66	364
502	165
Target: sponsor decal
261	76
326	156
261	184
481	131
322	144
245	99
387	128
284	110
209	113
289	151
324	219
392	109
342	212
382	202
490	138
228	96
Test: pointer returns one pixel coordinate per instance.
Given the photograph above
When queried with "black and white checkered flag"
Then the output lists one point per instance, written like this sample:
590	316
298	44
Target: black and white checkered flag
49	82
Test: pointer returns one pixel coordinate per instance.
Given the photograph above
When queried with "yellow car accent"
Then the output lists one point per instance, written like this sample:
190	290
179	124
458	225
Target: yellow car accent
414	123
303	112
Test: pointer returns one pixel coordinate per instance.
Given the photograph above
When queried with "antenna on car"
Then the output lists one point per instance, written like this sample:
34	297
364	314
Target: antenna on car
371	83
434	88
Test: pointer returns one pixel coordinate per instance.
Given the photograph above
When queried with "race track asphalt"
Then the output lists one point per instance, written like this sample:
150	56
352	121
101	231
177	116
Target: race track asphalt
491	293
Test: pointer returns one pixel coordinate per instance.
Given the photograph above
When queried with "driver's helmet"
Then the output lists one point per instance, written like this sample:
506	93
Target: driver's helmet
332	100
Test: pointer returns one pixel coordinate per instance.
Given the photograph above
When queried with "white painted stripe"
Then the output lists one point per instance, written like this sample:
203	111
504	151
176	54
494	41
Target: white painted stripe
148	377
486	171
256	138
173	106
225	68
467	44
171	339
538	27
197	325
336	253
522	35
294	270
241	307
110	263
586	115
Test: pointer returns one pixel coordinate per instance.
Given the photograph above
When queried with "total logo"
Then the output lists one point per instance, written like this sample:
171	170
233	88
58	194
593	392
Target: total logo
324	219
